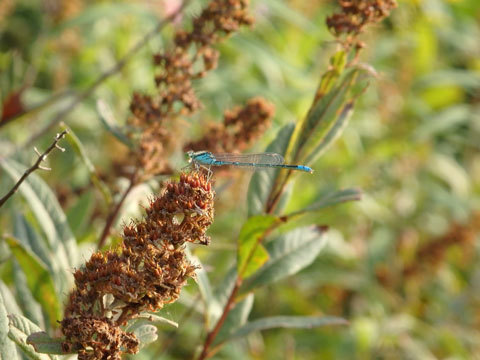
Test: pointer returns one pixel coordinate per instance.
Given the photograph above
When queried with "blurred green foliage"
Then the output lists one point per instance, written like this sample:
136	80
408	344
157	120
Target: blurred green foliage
401	265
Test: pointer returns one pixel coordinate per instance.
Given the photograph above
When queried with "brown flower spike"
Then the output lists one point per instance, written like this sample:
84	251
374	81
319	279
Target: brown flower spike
355	15
240	128
191	57
145	274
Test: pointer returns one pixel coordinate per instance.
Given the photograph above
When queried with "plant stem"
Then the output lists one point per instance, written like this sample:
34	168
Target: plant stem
37	165
228	306
113	215
231	299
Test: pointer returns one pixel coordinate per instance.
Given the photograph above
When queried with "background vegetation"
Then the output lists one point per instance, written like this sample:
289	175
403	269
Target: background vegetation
401	265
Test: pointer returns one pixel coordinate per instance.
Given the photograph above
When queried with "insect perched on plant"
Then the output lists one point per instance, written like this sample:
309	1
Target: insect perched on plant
265	160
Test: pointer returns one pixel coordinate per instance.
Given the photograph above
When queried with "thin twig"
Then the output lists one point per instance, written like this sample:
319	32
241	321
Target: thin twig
37	165
112	71
113	215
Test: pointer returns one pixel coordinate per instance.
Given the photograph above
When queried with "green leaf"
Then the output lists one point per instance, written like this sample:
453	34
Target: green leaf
297	322
30	307
79	149
146	334
7	347
9	300
236	318
48	212
43	343
20	329
352	194
223	291
110	124
79	214
212	306
30	239
326	119
315	149
338	61
251	254
39	280
289	254
263	181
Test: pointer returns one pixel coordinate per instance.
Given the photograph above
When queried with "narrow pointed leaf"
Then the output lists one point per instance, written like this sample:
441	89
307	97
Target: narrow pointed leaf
323	117
289	254
29	238
39	279
298	322
31	308
316	149
338	197
79	214
48	212
327	82
110	124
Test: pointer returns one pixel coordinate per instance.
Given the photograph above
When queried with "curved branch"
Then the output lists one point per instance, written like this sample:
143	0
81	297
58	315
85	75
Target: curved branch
37	165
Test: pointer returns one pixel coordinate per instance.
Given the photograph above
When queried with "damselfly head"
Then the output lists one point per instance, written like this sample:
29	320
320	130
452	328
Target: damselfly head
190	154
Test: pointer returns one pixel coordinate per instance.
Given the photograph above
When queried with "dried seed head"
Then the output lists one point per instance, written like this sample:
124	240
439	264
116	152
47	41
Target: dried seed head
146	274
356	14
177	67
241	126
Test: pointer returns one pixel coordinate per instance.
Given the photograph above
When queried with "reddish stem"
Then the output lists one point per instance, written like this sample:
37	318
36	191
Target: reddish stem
113	215
213	334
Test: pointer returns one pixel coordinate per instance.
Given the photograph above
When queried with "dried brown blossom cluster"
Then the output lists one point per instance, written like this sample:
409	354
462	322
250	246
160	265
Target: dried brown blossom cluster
190	58
240	127
356	14
219	19
431	255
149	271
